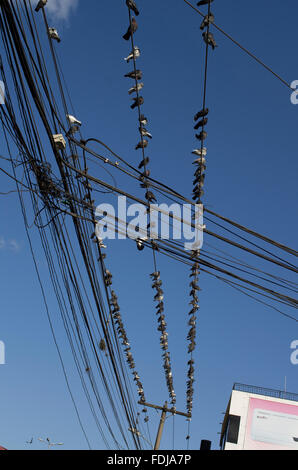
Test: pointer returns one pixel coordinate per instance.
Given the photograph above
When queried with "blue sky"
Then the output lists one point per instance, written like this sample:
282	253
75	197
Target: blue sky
251	178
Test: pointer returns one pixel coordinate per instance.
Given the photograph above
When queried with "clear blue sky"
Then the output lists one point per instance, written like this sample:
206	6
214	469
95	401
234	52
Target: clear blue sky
251	178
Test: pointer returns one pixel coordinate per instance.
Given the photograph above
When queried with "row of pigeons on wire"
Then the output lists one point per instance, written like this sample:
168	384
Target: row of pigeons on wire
162	325
194	284
137	75
201	118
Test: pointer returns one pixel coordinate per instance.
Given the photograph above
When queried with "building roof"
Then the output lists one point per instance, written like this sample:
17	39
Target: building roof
267	392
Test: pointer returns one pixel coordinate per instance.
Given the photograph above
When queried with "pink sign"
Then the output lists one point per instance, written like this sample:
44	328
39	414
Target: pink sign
271	426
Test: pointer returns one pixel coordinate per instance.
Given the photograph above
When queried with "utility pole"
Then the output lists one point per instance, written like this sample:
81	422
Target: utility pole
164	409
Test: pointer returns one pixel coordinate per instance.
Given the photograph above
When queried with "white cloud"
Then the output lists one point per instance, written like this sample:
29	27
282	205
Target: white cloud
61	9
11	245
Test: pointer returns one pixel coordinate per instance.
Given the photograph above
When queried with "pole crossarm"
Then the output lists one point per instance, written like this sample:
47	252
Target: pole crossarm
166	409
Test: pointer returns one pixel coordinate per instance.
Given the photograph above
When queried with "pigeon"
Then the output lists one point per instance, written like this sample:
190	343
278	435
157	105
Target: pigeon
209	39
53	33
140	245
199	179
204	2
142	145
144	163
31	441
201	123
207	20
145	133
143	120
200	170
131	29
41	4
137	75
132	6
134	54
102	345
199	161
74	123
200	152
155	275
202	136
150	197
136	88
201	114
156	284
137	102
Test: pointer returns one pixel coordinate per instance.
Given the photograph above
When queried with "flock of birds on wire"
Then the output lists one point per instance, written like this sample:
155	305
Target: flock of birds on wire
49	188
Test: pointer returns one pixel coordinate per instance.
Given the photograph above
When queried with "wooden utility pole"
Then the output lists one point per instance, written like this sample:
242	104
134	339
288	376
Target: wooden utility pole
164	409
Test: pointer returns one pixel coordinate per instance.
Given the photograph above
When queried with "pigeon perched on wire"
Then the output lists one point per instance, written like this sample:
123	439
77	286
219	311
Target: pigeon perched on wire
137	102
201	123
135	75
207	20
200	152
53	33
201	114
132	6
204	2
41	4
202	136
144	162
200	161
150	197
209	39
143	120
145	133
140	245
135	54
136	88
131	29
142	145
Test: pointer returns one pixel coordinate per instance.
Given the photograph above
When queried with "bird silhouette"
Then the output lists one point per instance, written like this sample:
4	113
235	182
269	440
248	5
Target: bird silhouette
132	6
144	162
204	2
202	136
207	20
135	75
41	4
201	114
132	28
209	39
137	102
201	123
142	145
